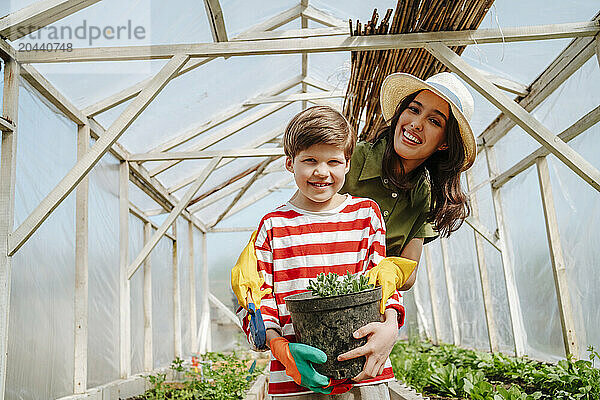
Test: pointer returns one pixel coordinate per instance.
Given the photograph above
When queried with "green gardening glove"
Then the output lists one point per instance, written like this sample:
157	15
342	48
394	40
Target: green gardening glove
298	359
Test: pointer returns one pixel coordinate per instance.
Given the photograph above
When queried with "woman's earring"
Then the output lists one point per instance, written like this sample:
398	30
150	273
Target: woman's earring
443	147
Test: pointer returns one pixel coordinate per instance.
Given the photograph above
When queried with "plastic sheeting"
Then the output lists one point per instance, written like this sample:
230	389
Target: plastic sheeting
40	361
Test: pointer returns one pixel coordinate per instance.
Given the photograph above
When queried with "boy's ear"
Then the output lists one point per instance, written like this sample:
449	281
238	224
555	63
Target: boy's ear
289	164
347	166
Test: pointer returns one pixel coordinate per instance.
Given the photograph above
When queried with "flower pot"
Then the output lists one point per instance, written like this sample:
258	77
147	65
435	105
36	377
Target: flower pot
328	323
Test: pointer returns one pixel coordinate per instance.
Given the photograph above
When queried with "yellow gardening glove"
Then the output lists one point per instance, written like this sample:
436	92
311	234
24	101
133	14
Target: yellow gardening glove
391	273
245	277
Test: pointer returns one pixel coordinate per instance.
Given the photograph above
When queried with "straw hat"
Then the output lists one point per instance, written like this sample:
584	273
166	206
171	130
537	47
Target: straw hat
397	86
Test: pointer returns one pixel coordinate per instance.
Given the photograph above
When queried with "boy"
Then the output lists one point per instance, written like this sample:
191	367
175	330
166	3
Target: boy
319	230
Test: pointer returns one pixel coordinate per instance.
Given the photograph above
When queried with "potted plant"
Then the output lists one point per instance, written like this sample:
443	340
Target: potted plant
327	316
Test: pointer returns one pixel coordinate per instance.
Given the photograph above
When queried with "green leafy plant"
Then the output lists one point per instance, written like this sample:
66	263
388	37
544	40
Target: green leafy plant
330	284
447	370
217	377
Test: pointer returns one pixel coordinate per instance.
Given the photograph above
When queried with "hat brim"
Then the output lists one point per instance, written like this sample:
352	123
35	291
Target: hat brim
397	86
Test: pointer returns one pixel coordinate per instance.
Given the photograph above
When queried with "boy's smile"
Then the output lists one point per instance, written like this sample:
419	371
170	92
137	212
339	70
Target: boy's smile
319	172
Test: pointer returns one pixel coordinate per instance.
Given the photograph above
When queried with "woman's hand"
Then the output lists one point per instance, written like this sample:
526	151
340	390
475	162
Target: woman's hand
381	339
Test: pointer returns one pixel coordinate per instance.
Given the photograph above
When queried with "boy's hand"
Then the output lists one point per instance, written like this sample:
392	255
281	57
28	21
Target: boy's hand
391	273
381	339
245	277
298	360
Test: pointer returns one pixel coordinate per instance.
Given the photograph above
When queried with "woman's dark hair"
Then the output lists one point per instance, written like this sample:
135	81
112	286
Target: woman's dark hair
449	206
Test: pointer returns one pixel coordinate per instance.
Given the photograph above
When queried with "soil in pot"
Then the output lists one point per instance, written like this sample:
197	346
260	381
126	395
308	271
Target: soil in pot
328	323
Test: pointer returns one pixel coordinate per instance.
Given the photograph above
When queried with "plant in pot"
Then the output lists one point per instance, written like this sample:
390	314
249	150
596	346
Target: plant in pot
327	316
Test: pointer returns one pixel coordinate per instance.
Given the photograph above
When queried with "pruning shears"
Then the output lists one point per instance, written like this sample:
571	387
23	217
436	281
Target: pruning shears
257	326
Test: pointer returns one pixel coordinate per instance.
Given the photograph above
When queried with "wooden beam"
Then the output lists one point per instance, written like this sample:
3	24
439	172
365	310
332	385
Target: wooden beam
215	20
6	126
132	91
483	232
38	15
321	17
297	33
583	124
147	293
559	267
83	166
8	166
272	23
525	120
232	112
221	194
244	189
46	89
222	134
171	218
177	350
451	293
237	229
267	137
560	69
203	337
435	301
253	199
192	285
80	335
505	84
598	48
7	52
315	45
512	295
199	155
134	210
297	97
226	311
124	284
484	276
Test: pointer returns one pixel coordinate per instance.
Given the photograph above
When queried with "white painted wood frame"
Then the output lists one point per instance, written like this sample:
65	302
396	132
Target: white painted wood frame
296	33
304	62
38	15
234	229
7	52
317	15
6	126
244	189
203	337
216	20
259	141
206	154
314	45
87	162
134	210
192	285
297	97
560	69
582	124
512	295
483	232
598	48
254	198
433	293
124	284
452	305
131	91
145	252
486	289
80	334
230	113
226	311
148	360
524	119
177	350
224	133
8	165
559	266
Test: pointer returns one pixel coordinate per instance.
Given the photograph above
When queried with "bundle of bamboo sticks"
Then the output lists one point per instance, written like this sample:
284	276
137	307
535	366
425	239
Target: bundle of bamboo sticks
369	68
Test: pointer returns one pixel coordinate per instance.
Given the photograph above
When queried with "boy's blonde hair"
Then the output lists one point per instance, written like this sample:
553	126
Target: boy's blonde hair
318	125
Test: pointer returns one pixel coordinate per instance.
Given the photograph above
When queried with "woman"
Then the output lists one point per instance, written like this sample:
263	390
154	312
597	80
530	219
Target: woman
412	167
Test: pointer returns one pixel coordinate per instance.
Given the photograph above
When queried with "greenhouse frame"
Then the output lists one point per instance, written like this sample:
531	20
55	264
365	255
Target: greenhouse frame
85	335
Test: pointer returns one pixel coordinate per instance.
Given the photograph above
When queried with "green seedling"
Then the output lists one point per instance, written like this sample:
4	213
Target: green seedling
326	285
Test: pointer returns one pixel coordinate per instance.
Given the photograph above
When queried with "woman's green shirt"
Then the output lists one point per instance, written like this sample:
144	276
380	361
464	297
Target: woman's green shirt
404	212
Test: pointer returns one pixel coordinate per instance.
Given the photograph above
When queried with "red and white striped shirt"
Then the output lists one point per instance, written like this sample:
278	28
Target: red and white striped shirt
295	245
